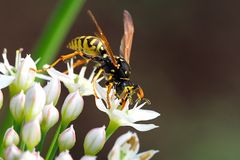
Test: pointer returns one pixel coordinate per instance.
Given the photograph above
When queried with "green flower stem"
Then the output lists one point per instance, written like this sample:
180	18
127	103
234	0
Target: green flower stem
56	30
17	127
112	127
7	123
22	146
43	137
53	148
8	119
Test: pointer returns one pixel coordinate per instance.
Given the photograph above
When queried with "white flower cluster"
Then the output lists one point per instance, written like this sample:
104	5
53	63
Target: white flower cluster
33	110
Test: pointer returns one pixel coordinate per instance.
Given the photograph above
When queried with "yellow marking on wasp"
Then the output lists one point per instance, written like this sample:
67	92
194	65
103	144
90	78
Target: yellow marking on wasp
110	77
93	41
129	88
105	56
99	45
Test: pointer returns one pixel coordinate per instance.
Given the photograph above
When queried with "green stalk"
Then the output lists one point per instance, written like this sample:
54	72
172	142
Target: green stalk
43	137
54	146
22	146
7	123
17	127
56	30
51	148
112	127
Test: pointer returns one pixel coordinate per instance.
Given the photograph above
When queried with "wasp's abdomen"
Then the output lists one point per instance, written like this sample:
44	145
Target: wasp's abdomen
89	45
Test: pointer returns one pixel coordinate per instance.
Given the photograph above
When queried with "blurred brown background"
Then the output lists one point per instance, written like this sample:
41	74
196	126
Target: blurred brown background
185	55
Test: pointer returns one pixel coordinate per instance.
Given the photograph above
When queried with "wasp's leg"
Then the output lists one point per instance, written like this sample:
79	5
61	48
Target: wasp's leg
123	97
78	63
109	87
140	95
123	101
61	58
94	82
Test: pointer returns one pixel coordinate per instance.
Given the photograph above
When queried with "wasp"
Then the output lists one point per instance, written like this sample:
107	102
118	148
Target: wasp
115	69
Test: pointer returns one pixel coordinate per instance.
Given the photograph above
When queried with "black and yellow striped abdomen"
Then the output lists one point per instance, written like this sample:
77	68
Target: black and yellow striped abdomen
89	45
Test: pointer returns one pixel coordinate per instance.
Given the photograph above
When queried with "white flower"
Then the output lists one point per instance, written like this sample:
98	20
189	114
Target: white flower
67	139
52	90
34	102
127	146
28	156
88	158
64	156
17	107
94	141
37	155
12	153
31	134
21	74
127	116
50	116
74	81
72	107
10	137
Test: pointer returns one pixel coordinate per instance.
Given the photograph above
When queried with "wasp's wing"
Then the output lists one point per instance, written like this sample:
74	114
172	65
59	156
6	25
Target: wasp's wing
103	39
126	42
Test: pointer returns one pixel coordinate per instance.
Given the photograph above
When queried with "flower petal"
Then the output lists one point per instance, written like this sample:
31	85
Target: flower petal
3	69
101	106
58	75
82	71
92	74
6	63
142	115
5	80
147	154
44	77
101	92
85	87
142	127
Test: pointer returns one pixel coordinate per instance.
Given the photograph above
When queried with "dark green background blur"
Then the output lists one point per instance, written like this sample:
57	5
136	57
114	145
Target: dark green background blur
186	56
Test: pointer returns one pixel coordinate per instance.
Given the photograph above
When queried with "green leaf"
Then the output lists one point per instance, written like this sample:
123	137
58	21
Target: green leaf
56	30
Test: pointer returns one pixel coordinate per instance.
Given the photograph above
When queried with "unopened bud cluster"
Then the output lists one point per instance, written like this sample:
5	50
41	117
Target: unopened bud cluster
14	153
34	111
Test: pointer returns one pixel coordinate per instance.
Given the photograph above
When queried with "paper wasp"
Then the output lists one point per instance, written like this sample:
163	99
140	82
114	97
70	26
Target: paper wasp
116	69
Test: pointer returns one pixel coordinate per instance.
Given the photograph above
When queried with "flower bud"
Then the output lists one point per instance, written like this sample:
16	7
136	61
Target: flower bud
31	134
27	156
88	158
50	117
35	101
1	99
37	155
10	138
64	156
17	107
67	139
39	118
25	75
12	153
72	107
94	141
52	90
